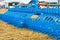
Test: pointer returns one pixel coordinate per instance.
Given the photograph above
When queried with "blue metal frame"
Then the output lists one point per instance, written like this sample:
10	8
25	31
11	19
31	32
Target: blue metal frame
33	7
45	22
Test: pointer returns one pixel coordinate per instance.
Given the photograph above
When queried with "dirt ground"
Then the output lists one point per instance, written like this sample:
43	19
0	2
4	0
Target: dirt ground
10	32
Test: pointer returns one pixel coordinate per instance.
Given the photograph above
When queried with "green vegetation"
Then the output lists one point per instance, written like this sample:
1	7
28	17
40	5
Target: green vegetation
52	3
11	4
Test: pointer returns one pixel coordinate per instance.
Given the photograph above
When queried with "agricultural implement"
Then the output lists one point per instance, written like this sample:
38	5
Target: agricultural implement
31	16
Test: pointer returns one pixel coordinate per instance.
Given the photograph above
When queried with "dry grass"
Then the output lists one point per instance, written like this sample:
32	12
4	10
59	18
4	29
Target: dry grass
10	32
2	10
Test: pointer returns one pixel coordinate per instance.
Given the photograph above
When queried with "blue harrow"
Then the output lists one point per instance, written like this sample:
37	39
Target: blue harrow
45	20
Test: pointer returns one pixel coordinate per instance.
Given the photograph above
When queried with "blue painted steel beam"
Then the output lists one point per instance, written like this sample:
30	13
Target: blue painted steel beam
35	9
46	24
15	18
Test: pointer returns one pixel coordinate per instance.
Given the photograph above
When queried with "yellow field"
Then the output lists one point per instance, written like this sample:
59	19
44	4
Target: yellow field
10	32
2	10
